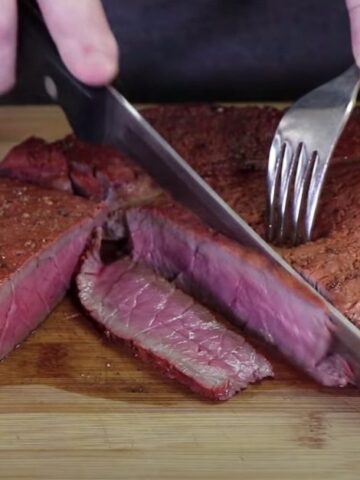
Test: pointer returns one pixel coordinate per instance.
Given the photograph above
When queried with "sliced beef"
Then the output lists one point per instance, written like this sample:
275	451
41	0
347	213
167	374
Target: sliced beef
229	148
167	327
239	283
42	235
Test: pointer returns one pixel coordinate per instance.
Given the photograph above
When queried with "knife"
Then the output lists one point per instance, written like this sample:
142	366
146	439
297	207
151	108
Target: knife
104	116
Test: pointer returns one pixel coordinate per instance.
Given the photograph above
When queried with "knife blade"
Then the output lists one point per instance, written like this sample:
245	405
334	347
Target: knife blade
104	116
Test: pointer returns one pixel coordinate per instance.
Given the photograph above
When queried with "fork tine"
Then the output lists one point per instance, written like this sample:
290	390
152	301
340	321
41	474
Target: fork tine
301	185
287	170
315	188
273	182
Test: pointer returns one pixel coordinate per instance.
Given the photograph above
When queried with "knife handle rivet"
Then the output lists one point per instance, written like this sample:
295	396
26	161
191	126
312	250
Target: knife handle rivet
50	87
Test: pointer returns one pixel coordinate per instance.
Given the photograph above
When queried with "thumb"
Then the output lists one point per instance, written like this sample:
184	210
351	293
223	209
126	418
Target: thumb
353	7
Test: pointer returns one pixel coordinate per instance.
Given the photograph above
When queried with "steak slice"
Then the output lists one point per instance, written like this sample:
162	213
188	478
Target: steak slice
42	235
167	327
241	284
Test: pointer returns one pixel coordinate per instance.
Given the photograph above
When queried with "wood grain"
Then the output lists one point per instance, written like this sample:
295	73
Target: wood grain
74	406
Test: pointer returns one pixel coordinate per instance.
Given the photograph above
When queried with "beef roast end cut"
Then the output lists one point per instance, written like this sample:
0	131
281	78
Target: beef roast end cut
42	235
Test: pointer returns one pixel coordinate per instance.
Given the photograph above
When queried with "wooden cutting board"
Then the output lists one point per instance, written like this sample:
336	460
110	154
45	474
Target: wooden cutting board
72	406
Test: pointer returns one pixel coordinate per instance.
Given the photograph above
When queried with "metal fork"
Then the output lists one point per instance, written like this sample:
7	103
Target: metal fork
300	155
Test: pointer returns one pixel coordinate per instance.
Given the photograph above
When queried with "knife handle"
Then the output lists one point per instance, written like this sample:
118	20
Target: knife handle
37	53
38	57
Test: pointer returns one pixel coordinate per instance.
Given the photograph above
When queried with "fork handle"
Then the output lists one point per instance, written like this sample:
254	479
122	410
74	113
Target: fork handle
349	81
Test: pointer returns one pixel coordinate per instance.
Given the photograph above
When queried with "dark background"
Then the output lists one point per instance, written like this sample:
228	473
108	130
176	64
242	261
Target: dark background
203	50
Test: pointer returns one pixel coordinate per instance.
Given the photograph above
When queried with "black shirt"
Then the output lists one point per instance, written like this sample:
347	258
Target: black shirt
198	50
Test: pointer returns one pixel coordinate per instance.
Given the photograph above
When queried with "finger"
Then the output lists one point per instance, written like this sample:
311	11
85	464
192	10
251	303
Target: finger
84	39
354	13
8	33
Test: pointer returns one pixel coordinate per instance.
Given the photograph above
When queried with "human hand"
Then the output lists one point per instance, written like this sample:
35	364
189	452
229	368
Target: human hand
353	7
80	31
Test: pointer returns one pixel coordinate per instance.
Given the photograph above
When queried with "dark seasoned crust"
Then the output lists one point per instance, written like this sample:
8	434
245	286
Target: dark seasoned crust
32	218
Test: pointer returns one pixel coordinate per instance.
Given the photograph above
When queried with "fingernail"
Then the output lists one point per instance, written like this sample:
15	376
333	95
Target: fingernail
7	83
